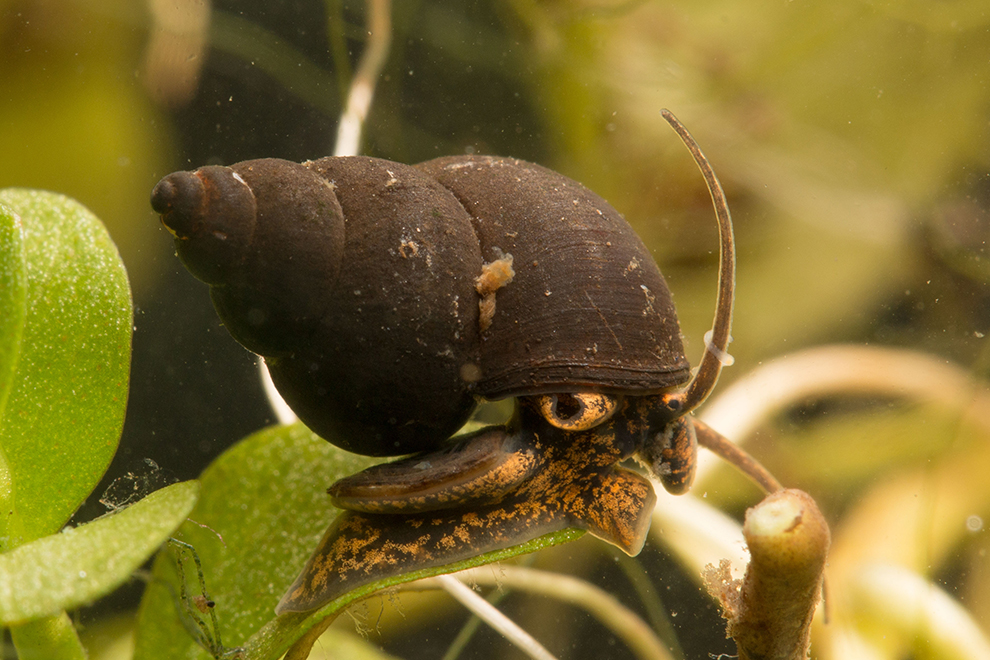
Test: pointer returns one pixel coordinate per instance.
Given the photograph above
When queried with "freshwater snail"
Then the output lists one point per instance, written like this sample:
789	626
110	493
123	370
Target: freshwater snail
388	299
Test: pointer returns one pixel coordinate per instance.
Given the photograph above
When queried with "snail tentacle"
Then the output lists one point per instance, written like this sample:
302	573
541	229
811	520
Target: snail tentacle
704	380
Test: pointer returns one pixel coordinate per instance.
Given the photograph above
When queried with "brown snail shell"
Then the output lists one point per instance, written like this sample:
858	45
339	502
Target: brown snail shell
387	298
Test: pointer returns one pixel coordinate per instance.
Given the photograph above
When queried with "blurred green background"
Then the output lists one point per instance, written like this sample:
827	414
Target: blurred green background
852	136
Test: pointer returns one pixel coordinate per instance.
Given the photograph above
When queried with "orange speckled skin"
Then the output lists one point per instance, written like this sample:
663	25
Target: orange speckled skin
576	483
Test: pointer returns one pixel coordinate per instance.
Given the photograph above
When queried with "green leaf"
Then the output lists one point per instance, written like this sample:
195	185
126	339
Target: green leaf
65	334
262	510
282	631
77	566
261	514
13	297
13	309
49	638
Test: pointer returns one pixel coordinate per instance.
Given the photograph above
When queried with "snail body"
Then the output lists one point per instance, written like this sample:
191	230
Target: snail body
388	299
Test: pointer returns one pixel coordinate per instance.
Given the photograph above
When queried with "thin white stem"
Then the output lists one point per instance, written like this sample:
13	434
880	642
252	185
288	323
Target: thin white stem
493	617
615	616
173	59
894	598
282	410
365	78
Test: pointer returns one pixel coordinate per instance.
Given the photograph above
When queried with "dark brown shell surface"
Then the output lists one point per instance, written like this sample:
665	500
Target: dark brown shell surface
357	279
273	297
588	307
384	373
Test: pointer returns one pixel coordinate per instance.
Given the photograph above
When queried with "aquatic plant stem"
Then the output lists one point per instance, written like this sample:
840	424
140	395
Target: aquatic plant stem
769	612
494	617
363	86
623	622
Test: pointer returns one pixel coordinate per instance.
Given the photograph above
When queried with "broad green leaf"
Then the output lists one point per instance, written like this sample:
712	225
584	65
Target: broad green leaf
13	297
66	358
77	566
261	514
49	638
13	307
263	507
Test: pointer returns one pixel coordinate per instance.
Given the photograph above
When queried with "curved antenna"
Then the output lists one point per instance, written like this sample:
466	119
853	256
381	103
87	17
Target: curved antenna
715	346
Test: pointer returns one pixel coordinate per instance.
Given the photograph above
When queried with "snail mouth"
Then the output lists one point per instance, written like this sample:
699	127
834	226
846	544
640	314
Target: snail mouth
174	233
